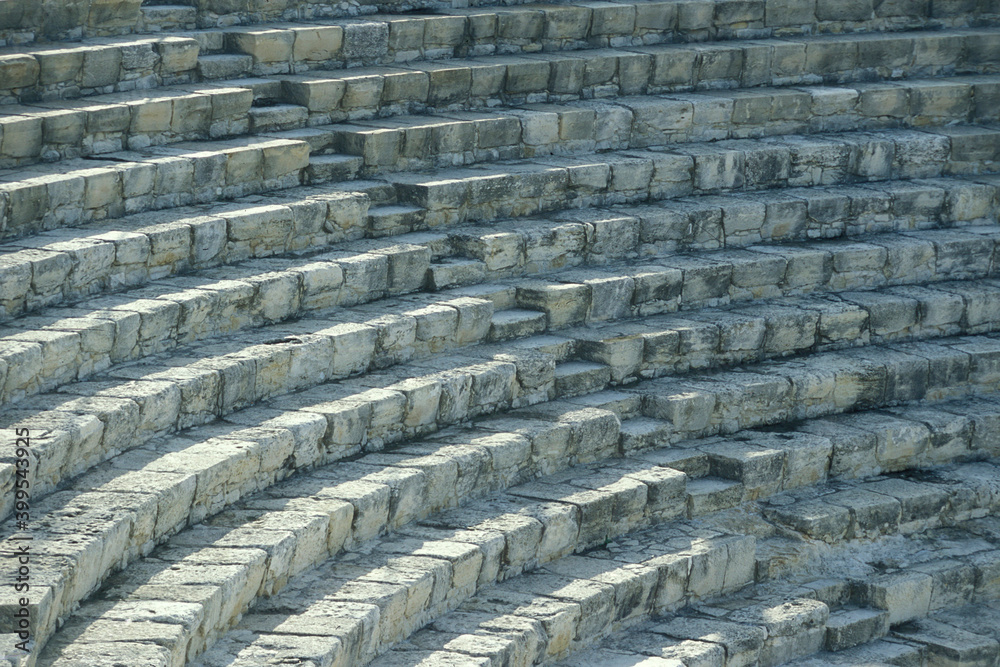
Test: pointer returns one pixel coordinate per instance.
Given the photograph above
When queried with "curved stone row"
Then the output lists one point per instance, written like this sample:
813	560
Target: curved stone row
109	258
393	142
935	603
257	294
666	568
202	404
654	404
610	333
276	47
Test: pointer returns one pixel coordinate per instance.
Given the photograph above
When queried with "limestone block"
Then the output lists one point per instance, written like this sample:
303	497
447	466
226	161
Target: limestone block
27	201
101	66
947	643
18	71
742	642
441	35
22	137
177	55
113	15
317	43
59	65
563	304
852	627
365	41
267	47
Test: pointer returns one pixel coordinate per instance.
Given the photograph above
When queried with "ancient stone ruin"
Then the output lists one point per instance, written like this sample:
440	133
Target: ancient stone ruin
630	333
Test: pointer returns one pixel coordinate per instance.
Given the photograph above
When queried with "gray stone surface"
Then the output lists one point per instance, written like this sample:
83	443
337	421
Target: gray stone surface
418	333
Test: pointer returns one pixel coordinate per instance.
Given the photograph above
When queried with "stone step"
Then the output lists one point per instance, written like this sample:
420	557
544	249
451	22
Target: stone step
229	465
859	513
199	466
277	118
611	292
861	445
107	123
63	267
850	627
676	344
629	332
286	501
166	17
333	168
397	588
73	192
858	447
702	20
795	457
394	218
488	192
516	323
705	222
440	140
391	353
188	388
960	636
970	144
51	131
931	597
60	346
204	305
574	600
781	622
879	653
223	66
52	71
47	20
359	93
654	347
384	39
965	637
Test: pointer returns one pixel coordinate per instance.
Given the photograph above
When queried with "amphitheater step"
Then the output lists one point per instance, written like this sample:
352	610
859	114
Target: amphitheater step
528	29
572	600
277	290
122	121
524	188
333	168
109	331
35	274
223	66
551	26
895	389
963	635
899	154
53	72
223	467
497	333
163	18
847	628
132	120
276	118
359	93
79	191
928	639
457	138
408	463
766	624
